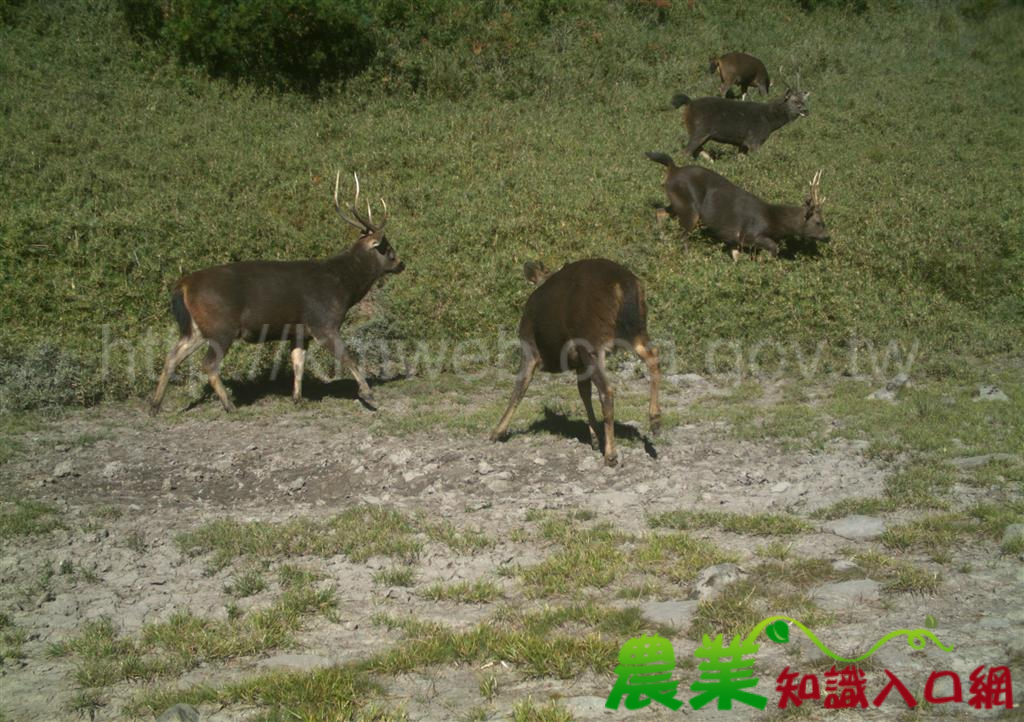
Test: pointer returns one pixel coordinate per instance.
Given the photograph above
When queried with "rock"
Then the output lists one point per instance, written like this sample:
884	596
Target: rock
712	580
673	614
857	527
587	707
781	487
400	457
849	595
990	393
843	565
293	486
483	468
179	713
63	469
973	462
114	468
299	662
1013	531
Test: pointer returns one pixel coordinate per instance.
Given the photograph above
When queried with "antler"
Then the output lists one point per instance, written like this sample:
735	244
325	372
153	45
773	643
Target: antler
816	197
337	206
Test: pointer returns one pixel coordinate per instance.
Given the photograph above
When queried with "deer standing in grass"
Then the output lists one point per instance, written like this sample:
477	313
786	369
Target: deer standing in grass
574	318
740	69
260	301
731	214
746	125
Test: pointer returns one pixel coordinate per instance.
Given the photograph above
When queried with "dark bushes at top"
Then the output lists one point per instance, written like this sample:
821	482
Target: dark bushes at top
289	44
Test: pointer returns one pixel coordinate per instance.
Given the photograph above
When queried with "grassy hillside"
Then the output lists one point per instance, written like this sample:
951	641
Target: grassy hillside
499	133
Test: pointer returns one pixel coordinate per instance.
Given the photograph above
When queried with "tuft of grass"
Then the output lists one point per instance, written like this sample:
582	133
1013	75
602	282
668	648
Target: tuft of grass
246	584
358	533
24	517
463	541
12	638
900	576
845	507
395	577
676	557
464	592
530	711
741	605
938	533
757	524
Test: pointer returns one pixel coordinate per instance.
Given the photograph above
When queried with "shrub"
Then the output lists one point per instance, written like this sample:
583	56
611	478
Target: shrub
288	44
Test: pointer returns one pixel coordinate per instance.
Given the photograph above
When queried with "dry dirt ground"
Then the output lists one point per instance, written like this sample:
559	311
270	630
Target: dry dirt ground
126	485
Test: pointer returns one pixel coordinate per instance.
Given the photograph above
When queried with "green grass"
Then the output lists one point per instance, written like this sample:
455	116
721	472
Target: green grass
464	592
126	152
756	524
23	517
103	657
12	638
395	577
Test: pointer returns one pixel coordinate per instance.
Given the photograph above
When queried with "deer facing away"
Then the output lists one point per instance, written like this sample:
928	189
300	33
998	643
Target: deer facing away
740	69
574	318
731	214
746	125
260	301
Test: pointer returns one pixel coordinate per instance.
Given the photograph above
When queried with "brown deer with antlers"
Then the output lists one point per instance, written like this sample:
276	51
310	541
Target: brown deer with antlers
260	301
571	322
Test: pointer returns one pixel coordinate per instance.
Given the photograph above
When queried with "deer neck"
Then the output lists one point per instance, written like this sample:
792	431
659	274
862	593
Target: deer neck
787	220
355	271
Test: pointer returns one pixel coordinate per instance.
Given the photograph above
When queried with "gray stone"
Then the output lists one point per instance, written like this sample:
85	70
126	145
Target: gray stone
857	527
847	595
112	469
973	462
1013	531
483	468
990	393
62	469
781	487
587	707
179	713
294	485
300	662
712	580
673	614
843	565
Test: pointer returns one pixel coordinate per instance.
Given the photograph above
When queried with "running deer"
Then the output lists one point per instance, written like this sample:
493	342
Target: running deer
746	125
572	320
260	301
731	214
740	69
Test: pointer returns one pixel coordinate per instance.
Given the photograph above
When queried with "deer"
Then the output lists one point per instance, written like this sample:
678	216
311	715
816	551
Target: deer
740	69
260	301
574	318
746	125
735	216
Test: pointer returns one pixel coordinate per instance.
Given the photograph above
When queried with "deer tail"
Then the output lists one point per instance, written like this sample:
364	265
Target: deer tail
663	158
180	311
680	99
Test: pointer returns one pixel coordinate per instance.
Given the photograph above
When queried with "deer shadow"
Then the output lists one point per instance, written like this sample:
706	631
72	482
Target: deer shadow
559	424
248	392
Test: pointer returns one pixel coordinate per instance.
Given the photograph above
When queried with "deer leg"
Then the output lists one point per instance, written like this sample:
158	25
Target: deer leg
183	348
211	365
767	244
649	354
607	396
527	367
332	342
735	254
693	148
298	365
586	393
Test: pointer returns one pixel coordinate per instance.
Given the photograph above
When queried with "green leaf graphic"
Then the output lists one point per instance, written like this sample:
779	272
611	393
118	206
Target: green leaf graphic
778	632
929	621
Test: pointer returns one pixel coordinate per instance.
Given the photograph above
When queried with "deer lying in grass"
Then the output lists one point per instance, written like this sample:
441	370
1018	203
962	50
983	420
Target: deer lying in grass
259	301
746	125
740	69
571	322
731	214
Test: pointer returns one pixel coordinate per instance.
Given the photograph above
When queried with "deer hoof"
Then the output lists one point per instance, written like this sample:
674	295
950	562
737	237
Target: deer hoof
496	435
154	408
655	424
612	460
595	444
